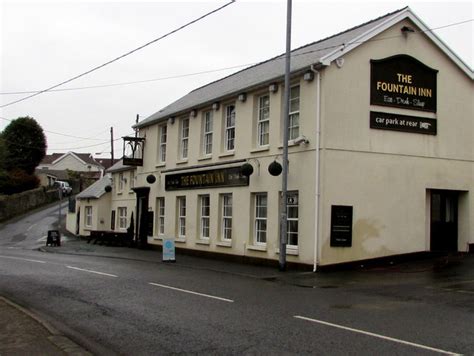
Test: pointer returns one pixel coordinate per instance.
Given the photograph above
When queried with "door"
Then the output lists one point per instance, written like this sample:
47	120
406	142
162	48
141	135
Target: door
141	234
444	220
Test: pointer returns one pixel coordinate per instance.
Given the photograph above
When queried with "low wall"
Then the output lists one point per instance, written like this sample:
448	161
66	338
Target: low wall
17	204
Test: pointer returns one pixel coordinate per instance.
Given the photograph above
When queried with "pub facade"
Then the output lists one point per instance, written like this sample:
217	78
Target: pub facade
380	153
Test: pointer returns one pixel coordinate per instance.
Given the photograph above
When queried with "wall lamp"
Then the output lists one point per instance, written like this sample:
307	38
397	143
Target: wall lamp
215	106
171	120
242	97
273	88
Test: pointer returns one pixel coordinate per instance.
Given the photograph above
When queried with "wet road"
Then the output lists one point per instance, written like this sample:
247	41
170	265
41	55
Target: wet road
136	305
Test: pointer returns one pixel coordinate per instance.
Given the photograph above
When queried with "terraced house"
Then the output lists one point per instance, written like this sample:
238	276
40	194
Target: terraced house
380	153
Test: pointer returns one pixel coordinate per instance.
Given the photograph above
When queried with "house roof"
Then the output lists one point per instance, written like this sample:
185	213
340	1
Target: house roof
85	158
105	162
322	52
96	190
119	166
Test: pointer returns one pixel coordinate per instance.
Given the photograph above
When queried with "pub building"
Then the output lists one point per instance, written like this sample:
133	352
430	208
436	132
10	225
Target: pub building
380	153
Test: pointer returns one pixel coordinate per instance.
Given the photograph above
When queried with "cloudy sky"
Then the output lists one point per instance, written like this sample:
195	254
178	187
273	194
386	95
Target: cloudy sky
45	43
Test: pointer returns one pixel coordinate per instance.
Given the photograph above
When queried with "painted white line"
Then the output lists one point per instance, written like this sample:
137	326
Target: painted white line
90	271
191	292
31	227
22	259
42	239
377	335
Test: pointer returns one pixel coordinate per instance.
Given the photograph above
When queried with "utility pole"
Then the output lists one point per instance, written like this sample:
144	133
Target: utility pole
112	144
286	111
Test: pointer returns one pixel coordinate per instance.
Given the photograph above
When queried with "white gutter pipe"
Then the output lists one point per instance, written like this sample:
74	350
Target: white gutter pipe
317	170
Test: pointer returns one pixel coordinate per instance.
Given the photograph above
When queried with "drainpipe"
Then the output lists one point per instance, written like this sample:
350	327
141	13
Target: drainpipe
317	170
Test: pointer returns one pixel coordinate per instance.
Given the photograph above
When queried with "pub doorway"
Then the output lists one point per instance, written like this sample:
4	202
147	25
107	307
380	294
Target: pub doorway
444	221
141	232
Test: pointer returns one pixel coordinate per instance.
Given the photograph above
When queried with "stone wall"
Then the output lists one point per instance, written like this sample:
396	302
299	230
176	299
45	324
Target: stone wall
17	204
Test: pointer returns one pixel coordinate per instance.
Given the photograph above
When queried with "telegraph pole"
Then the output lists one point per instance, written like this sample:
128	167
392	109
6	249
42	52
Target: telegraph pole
112	144
286	111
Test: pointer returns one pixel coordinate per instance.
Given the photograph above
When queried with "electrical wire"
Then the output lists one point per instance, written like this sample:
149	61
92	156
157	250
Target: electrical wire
121	56
228	68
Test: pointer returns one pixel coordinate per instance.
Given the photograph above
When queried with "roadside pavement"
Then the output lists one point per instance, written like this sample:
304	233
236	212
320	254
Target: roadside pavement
23	333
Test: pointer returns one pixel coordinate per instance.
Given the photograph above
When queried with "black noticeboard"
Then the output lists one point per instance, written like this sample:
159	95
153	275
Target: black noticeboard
150	223
404	82
395	122
341	226
54	238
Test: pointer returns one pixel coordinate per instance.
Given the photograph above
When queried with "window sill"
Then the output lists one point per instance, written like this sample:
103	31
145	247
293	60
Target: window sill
291	143
204	158
224	244
131	192
159	165
158	238
180	240
203	242
184	161
260	149
227	154
262	248
119	193
292	251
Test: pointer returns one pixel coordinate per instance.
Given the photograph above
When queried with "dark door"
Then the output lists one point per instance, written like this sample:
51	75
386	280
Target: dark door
444	220
142	216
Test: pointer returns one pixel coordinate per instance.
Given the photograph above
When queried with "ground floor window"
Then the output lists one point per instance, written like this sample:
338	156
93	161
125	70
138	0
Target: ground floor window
161	215
205	215
122	217
181	204
88	216
226	216
260	232
292	218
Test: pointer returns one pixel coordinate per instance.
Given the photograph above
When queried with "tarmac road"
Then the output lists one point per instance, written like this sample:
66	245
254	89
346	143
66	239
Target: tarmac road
125	301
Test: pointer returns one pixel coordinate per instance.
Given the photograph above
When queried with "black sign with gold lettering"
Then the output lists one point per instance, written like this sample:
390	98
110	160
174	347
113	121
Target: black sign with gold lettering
224	177
341	226
395	122
404	82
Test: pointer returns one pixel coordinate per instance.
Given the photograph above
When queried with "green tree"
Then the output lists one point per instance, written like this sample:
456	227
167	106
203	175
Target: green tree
24	145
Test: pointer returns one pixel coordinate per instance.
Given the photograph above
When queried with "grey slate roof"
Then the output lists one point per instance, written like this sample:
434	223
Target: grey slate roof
96	190
301	59
119	167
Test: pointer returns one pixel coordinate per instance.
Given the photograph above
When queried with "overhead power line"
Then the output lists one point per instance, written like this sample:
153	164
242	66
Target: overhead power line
122	56
221	69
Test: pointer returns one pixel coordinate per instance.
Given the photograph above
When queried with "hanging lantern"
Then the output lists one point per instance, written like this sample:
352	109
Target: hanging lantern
108	188
246	169
151	178
275	168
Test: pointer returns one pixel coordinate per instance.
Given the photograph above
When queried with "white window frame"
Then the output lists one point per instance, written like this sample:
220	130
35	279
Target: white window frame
260	226
122	217
163	135
229	125
294	114
226	216
205	216
132	180
88	211
181	212
184	138
207	131
160	209
290	220
263	121
120	183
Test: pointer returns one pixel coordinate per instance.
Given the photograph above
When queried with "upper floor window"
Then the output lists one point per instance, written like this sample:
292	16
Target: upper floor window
163	130
294	114
263	126
207	133
120	183
132	180
229	135
184	138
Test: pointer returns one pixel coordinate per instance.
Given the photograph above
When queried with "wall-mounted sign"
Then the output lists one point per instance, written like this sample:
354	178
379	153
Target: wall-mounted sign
341	226
213	178
395	122
404	82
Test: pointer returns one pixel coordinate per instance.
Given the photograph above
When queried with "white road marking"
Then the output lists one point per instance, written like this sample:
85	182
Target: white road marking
191	292
377	335
41	239
22	259
90	271
30	227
